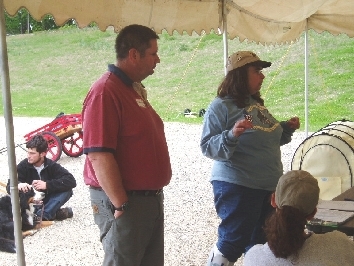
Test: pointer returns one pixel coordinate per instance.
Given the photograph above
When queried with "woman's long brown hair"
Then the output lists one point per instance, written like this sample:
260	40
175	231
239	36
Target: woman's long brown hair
235	85
284	230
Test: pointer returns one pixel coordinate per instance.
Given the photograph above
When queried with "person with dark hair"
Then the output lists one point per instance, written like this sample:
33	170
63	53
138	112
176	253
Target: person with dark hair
288	243
127	163
46	176
244	140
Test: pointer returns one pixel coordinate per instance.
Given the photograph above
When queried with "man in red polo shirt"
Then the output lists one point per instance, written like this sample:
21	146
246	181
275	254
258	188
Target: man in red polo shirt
127	163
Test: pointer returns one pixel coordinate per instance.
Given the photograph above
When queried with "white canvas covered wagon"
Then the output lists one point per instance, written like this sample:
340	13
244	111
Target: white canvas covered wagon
328	155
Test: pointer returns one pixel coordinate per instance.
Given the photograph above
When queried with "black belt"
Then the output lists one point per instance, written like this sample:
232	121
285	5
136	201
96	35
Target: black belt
145	192
136	192
96	188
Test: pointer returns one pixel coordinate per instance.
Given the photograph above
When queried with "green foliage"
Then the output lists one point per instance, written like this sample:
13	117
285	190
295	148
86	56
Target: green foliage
22	22
51	71
18	23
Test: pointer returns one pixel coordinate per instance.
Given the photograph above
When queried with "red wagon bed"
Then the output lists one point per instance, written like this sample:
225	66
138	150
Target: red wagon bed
64	133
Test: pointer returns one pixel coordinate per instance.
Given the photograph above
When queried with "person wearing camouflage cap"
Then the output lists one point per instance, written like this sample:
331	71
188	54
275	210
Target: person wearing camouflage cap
295	200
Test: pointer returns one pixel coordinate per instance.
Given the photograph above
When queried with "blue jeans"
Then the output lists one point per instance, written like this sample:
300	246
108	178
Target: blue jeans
52	202
243	212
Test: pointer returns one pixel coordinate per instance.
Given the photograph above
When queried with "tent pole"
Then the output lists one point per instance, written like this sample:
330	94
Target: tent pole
306	81
6	96
224	35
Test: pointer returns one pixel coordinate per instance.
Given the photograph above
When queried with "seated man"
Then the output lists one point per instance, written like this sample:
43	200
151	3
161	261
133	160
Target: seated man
46	176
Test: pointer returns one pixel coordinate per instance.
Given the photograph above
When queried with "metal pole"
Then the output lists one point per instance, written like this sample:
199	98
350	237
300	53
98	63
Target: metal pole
4	65
306	82
224	35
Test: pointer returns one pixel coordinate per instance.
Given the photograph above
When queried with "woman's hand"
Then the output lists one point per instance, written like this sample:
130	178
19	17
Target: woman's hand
240	127
294	123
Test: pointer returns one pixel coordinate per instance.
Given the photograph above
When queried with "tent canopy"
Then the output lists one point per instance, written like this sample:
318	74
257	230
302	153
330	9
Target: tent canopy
261	21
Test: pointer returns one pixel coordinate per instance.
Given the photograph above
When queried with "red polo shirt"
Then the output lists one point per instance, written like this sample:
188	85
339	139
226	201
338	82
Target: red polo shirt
117	120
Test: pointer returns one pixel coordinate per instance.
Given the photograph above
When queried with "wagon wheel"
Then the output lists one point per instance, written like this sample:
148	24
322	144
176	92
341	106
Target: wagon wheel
54	145
187	111
72	146
201	112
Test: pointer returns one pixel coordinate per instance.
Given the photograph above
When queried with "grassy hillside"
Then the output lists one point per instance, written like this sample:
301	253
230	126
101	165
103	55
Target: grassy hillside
52	71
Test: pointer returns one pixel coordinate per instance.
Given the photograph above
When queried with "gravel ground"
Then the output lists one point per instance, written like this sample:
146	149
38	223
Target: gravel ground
190	219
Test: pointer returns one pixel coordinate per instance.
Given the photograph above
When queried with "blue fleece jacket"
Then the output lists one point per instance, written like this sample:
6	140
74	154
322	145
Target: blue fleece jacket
254	158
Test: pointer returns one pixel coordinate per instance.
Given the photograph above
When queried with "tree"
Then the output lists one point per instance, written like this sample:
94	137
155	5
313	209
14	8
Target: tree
22	22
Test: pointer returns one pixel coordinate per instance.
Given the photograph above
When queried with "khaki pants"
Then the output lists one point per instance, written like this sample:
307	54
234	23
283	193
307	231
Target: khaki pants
136	238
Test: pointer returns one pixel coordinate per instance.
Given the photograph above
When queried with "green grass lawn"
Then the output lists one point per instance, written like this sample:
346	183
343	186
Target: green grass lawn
51	72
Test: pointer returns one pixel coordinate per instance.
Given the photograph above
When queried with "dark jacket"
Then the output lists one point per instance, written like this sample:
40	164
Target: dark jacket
58	179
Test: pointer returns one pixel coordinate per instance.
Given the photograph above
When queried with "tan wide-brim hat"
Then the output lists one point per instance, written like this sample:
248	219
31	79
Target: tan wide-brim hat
242	58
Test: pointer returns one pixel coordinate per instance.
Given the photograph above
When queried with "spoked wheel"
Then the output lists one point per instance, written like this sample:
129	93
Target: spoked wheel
187	111
54	145
72	146
201	112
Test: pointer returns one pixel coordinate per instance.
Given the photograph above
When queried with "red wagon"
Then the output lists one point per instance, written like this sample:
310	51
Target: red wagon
64	133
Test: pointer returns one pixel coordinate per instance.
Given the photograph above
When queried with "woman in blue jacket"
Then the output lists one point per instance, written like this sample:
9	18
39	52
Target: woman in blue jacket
244	140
